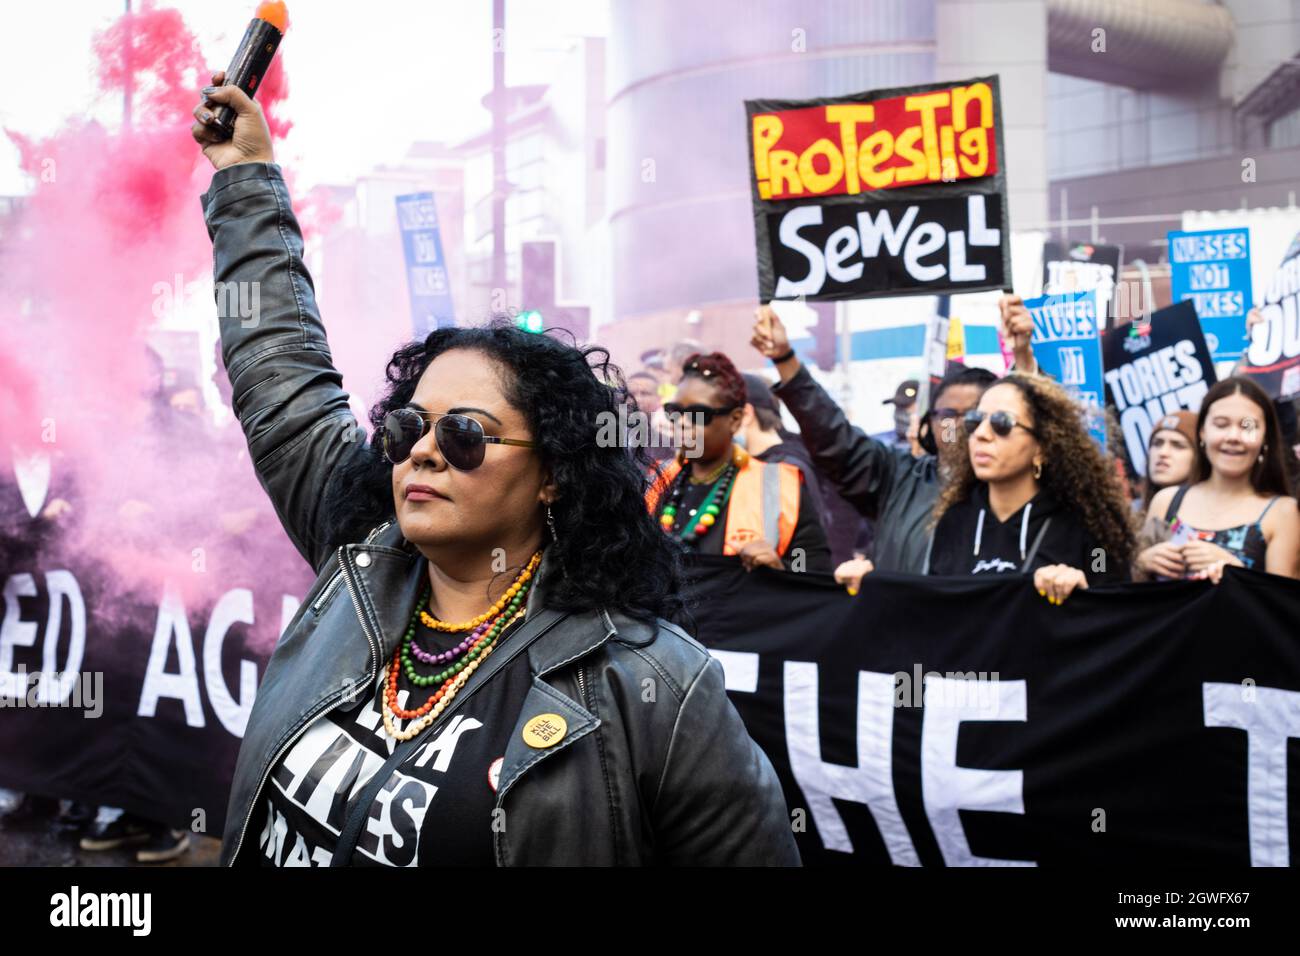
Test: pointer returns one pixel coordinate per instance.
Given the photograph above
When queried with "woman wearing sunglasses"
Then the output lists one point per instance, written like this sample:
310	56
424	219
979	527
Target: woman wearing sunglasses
481	674
715	497
1034	494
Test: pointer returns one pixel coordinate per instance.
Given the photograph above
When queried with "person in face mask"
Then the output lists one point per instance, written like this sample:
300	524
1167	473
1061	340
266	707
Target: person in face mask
1034	494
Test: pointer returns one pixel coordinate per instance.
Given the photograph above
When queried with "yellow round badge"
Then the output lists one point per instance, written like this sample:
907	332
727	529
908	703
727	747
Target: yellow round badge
545	730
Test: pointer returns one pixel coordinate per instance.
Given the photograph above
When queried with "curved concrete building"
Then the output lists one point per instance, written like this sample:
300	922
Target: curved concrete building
680	226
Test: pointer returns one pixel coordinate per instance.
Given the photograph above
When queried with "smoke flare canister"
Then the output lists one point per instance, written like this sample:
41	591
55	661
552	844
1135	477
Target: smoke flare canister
253	58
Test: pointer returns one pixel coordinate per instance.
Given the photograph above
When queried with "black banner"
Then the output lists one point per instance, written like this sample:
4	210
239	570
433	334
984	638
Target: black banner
1154	369
136	697
889	192
924	721
966	721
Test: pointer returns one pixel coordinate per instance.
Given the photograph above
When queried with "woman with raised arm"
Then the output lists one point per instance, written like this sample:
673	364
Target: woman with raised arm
467	681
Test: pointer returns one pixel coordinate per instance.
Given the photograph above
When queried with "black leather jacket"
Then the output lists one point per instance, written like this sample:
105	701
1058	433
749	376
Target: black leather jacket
885	484
673	780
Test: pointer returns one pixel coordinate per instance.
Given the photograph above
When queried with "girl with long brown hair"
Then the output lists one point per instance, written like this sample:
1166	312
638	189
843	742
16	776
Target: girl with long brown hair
1243	481
1034	493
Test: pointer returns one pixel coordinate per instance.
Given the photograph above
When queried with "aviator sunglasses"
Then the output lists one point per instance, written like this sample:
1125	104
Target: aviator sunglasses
460	438
1000	422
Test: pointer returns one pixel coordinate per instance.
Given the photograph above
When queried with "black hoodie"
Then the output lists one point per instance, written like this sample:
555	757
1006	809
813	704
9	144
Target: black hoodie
969	539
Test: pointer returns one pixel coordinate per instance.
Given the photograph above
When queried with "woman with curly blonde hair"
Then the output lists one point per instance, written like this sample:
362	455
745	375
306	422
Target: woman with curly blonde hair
1033	493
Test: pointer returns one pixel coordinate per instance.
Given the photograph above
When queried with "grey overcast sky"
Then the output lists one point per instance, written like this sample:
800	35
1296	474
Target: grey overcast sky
415	69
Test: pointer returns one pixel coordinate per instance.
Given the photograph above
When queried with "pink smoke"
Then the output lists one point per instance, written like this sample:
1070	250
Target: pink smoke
113	219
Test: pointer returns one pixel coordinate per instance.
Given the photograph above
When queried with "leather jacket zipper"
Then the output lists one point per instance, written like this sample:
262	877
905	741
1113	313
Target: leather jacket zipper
313	715
582	688
329	591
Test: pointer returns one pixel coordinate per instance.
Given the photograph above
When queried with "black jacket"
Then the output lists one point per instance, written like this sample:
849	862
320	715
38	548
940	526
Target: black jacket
883	483
672	779
969	539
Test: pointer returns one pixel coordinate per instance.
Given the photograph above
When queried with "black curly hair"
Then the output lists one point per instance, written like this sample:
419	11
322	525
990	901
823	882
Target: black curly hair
610	552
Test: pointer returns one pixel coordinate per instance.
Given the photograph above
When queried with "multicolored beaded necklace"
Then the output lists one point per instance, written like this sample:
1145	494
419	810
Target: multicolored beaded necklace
462	660
706	515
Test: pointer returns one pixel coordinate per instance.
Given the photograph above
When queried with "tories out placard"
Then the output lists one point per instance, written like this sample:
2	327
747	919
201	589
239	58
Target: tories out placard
1150	375
890	192
1212	269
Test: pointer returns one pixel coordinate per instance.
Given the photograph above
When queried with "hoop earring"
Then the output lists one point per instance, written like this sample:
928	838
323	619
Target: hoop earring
550	522
1038	470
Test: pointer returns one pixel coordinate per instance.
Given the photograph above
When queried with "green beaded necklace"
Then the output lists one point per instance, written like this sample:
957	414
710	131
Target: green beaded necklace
478	649
713	504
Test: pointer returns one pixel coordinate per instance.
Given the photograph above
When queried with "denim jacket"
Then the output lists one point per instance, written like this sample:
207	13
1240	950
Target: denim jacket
670	776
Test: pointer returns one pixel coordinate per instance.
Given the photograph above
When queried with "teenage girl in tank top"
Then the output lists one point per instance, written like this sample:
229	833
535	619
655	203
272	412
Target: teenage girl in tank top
1239	511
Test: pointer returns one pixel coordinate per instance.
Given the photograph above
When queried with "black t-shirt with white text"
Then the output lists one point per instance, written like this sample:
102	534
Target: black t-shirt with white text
437	807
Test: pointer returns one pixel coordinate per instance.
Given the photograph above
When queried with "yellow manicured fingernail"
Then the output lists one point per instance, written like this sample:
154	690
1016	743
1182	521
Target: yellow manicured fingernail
852	591
1042	593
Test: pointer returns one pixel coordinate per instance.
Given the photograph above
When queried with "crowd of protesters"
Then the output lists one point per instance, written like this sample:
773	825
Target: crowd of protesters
998	475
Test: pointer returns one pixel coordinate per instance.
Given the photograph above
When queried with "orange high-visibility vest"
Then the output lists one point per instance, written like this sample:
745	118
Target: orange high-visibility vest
764	503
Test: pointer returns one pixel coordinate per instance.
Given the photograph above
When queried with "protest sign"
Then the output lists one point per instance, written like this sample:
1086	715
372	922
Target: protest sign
884	193
1150	375
1273	357
1081	266
1068	348
1212	268
426	270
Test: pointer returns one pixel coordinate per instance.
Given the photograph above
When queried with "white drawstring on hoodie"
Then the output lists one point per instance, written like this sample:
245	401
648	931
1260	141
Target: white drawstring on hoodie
1024	530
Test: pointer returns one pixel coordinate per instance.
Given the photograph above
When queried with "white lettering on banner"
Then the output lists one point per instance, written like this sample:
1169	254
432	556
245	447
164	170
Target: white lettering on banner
791	223
1152	386
1194	248
158	683
1278	336
913	242
231	608
880	227
56	684
1270	717
15	632
870	783
947	788
739	669
173	628
842	244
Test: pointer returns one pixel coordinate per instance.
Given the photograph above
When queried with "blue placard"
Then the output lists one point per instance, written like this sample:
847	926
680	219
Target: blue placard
426	270
1067	347
1212	268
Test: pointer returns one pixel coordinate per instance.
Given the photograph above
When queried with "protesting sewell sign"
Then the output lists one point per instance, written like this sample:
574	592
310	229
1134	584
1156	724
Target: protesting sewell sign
890	192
